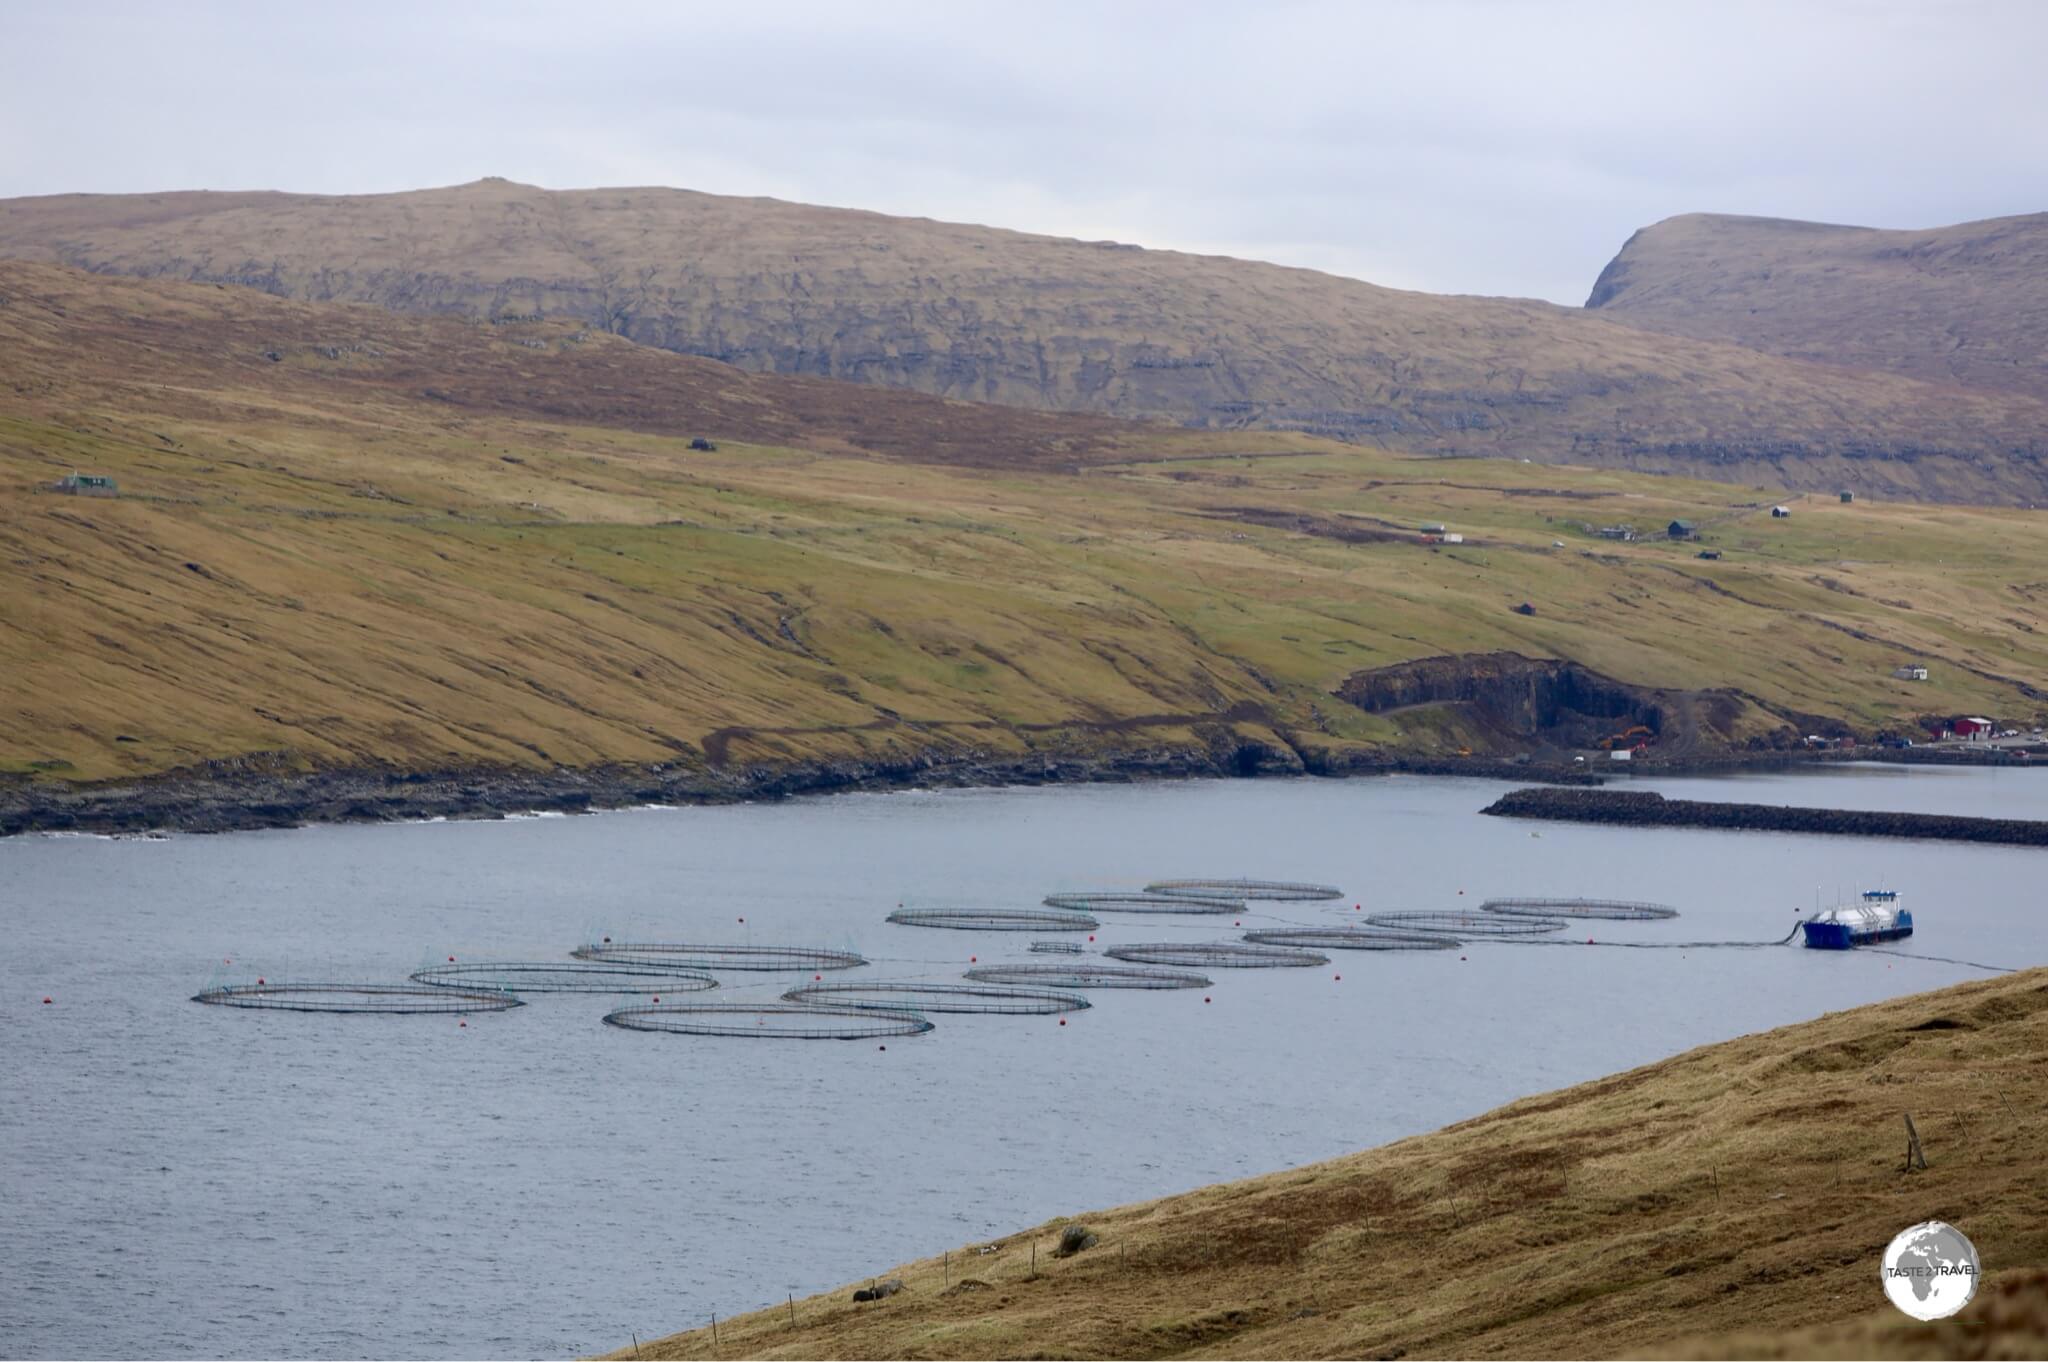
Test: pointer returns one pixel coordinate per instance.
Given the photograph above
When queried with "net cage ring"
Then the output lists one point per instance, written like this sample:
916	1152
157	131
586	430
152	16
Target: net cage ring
1134	901
360	999
995	919
1089	976
565	976
714	957
780	1020
913	996
1606	910
1217	954
1352	939
1284	891
1465	924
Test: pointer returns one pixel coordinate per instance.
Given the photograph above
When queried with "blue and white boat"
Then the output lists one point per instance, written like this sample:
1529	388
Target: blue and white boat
1876	916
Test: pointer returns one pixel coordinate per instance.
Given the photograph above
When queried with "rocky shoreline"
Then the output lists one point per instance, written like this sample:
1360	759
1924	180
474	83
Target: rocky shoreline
1642	808
231	800
232	797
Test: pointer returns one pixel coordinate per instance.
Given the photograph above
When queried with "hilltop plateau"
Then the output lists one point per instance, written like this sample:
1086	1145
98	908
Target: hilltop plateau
1053	324
1965	305
350	541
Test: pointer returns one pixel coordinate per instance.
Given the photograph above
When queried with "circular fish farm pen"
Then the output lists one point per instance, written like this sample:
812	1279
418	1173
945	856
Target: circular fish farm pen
762	958
1217	955
385	999
1089	976
1130	901
995	919
1352	939
990	999
565	976
771	1020
1466	924
1606	910
1283	891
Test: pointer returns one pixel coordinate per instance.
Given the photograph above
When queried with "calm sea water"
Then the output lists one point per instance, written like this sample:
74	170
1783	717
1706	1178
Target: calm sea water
185	1180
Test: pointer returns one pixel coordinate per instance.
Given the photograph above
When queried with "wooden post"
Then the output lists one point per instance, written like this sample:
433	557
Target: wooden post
714	1331
946	1267
1915	1159
1034	1257
792	1309
636	1343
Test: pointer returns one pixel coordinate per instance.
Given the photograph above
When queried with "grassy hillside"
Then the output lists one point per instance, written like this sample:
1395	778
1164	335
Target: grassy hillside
1965	305
1043	323
1715	1204
347	538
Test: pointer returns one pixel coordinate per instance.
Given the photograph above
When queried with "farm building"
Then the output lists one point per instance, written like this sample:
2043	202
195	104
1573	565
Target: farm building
1780	512
1912	671
1681	529
1623	532
1848	497
1974	728
87	485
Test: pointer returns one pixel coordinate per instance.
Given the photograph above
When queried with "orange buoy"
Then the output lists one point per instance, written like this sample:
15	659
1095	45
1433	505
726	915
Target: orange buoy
1340	978
451	959
1063	1021
261	982
1205	1000
881	1047
462	1023
657	997
46	1002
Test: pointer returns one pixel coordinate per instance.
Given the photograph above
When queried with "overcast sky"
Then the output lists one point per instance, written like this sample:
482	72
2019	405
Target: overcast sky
1455	147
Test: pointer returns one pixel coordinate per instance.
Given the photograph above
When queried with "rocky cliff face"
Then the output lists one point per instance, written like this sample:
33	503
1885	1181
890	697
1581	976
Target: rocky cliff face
1964	305
970	312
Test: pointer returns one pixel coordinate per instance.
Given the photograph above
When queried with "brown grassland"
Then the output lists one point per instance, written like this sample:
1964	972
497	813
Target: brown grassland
350	539
1050	324
1733	1201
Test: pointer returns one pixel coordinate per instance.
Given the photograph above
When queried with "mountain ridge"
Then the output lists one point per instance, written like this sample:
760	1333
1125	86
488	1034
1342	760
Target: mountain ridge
1055	324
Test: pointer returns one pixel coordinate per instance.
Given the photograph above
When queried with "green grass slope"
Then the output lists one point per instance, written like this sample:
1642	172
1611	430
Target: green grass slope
346	538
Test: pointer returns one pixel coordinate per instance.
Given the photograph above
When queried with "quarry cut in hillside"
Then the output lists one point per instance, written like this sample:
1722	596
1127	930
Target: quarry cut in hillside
1040	322
1504	701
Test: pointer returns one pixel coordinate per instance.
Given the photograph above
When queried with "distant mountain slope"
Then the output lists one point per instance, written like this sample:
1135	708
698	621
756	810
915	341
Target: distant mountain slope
1966	304
1040	322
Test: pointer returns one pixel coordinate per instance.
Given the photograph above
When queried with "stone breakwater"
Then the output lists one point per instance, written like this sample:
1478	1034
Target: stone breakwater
1635	808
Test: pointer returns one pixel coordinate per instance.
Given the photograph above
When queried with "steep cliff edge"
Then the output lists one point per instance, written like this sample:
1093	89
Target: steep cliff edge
1965	305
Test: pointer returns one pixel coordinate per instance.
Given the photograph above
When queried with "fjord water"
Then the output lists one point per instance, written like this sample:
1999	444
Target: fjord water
184	1180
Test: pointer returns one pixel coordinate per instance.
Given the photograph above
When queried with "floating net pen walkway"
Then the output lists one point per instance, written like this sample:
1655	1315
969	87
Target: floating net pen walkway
995	919
388	999
770	1021
719	957
1089	976
565	976
1285	891
1609	910
1466	924
1217	954
1147	902
1058	948
919	997
1353	939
